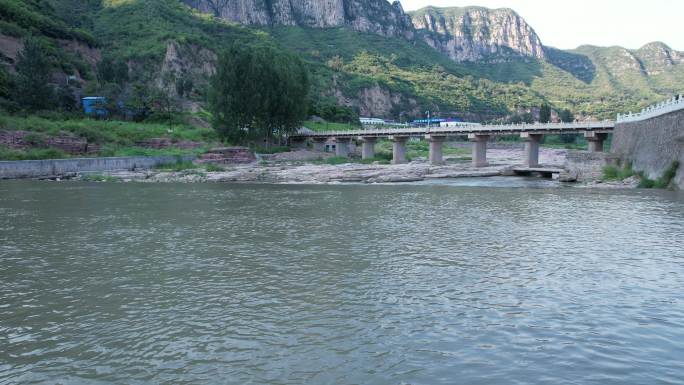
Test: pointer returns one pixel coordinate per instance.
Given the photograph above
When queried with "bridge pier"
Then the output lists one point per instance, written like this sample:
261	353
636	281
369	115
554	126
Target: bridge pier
319	144
531	148
479	149
398	149
368	147
342	146
595	141
436	145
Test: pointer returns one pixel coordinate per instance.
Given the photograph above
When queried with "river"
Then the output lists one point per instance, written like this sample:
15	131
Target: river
347	284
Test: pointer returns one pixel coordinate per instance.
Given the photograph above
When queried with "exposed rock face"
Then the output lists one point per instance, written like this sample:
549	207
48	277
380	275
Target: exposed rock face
189	62
656	57
379	102
373	16
476	33
229	155
23	140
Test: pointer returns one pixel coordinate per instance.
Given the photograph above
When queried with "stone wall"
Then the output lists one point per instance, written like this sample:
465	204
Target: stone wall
651	145
588	166
59	167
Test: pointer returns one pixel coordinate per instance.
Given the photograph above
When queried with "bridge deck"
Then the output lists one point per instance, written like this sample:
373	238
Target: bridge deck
513	129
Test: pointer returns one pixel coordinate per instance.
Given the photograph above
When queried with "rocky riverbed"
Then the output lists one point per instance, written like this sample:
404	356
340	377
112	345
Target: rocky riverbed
308	167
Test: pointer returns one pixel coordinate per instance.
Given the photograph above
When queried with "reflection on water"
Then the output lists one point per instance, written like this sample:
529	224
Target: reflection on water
420	284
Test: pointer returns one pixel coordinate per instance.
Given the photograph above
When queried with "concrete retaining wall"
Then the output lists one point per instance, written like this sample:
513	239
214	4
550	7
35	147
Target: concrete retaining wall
588	166
57	167
652	145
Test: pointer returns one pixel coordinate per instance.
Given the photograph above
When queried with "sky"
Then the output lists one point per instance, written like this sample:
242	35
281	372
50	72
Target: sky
570	23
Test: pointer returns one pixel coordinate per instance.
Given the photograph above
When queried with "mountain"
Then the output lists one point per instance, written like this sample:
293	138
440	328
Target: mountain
477	33
371	16
472	62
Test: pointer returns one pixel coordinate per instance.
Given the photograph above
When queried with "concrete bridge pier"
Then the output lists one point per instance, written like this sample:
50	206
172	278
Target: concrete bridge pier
479	149
436	146
531	148
342	146
398	149
595	141
368	146
319	144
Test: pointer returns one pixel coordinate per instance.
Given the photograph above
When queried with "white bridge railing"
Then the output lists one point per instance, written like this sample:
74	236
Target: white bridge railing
674	104
464	130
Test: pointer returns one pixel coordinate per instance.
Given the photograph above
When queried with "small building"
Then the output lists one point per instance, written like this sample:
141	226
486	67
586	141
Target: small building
372	121
457	124
425	122
94	106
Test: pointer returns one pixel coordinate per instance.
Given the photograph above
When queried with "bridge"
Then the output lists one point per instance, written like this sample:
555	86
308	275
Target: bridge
594	132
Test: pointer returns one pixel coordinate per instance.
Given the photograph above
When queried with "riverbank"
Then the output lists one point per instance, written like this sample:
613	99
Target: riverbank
309	167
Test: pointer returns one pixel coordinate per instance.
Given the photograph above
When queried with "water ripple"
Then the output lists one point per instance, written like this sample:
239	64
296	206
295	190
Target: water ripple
339	284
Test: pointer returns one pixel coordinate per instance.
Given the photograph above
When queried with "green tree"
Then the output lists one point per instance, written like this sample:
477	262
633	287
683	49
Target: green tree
32	88
566	116
545	113
258	92
112	70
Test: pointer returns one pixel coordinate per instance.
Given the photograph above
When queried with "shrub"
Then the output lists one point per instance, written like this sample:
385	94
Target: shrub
31	154
335	160
212	167
380	160
663	182
611	172
272	150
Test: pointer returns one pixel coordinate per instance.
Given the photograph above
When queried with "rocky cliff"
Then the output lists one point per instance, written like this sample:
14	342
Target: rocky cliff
476	33
373	16
657	57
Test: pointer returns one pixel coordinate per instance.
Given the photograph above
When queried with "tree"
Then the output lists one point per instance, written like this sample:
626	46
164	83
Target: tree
32	88
258	92
111	70
566	116
217	6
545	113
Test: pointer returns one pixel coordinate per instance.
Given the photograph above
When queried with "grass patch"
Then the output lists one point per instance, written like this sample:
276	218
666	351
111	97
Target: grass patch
664	181
272	150
335	160
329	126
177	167
32	154
611	172
106	132
212	167
380	160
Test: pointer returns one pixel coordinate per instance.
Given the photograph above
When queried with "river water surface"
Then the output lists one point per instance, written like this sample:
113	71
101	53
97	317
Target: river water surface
404	284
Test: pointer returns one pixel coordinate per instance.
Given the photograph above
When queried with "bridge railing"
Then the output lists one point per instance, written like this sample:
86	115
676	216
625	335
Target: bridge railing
674	104
483	129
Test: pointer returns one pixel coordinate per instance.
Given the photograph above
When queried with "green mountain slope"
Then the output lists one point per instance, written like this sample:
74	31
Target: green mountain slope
393	77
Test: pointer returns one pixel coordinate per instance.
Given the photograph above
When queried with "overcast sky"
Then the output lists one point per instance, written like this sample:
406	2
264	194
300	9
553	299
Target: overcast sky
570	23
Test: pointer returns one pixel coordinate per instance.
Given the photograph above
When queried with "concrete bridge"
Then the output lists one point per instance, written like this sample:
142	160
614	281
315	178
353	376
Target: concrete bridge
594	132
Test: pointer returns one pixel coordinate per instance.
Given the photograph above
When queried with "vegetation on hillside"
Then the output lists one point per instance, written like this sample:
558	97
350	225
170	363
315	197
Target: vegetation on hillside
134	43
112	137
